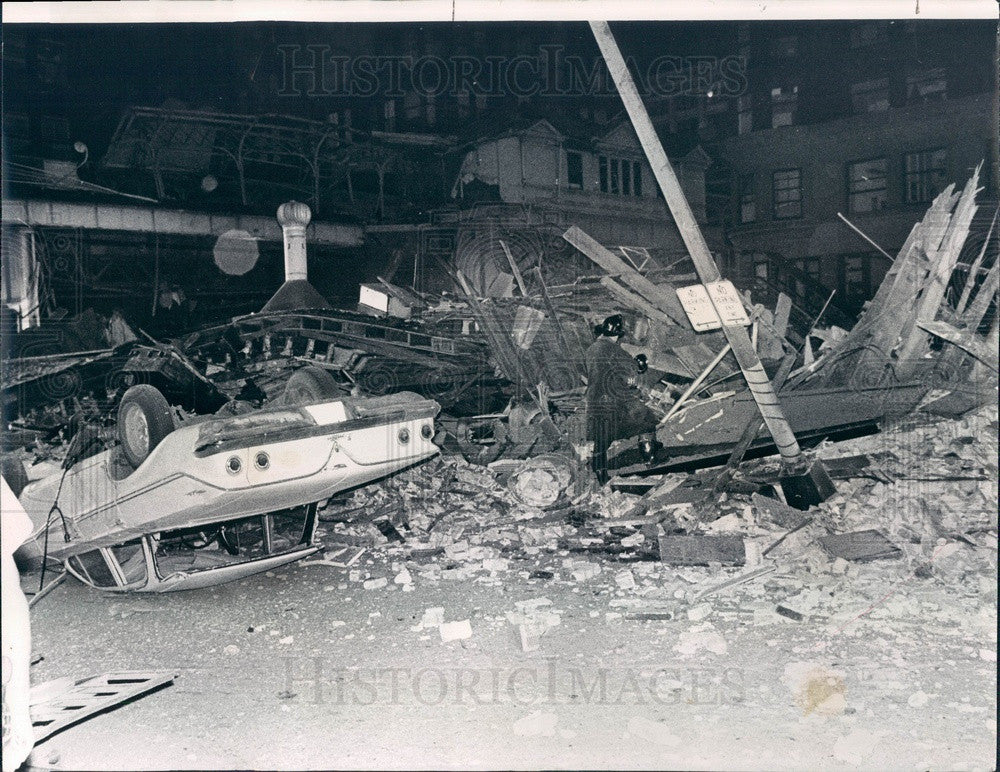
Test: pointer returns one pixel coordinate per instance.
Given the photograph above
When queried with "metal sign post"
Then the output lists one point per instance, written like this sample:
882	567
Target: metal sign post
803	485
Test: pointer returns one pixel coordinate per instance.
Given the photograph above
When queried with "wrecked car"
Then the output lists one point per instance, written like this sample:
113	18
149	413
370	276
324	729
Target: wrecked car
213	499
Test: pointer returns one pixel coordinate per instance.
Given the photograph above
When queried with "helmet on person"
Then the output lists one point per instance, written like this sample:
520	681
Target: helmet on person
613	326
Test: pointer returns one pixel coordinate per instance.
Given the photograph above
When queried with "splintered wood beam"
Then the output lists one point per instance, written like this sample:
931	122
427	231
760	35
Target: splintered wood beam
695	384
514	269
633	301
663	298
782	313
966	340
970	282
746	356
943	259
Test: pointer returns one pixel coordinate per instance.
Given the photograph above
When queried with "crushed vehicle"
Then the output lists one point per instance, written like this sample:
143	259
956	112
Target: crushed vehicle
182	504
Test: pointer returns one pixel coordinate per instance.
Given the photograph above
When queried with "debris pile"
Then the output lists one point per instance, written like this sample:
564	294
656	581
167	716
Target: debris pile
682	552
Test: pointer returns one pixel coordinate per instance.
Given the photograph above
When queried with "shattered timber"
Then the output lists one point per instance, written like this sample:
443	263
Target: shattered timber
466	476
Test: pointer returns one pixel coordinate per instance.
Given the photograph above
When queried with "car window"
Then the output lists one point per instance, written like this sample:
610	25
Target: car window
94	568
132	561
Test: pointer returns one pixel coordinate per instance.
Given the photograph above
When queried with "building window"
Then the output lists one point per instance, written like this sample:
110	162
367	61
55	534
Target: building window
574	169
926	86
744	106
867	184
925	175
809	266
748	201
871	96
783	102
855	284
808	277
619	176
787	185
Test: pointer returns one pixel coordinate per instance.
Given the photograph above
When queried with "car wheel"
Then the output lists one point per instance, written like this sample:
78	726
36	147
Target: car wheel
310	384
143	421
13	472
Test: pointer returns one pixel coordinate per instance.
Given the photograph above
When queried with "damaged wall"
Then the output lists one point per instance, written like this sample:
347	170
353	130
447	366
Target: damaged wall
532	167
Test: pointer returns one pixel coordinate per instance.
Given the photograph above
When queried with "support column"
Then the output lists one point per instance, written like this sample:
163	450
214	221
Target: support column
793	461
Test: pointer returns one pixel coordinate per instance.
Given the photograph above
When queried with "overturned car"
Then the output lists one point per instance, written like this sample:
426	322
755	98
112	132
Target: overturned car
213	499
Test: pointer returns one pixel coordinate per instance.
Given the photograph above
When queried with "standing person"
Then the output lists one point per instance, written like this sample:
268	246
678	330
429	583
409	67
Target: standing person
615	409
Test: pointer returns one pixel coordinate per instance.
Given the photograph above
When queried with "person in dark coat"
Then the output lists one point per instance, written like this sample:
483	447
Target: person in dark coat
615	409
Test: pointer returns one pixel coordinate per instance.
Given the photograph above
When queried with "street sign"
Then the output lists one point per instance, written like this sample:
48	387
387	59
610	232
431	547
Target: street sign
712	305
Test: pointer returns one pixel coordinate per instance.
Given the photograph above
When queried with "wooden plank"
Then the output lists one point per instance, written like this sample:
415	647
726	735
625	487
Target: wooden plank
695	384
970	282
634	301
664	299
966	340
976	310
912	343
782	313
560	332
877	332
514	269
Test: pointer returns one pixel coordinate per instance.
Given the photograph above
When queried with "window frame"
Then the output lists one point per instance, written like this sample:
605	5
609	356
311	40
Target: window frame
923	76
925	197
851	193
774	194
747	189
570	182
619	176
780	103
863	89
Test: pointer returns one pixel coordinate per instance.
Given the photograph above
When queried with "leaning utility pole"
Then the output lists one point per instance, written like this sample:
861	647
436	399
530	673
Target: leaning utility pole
803	484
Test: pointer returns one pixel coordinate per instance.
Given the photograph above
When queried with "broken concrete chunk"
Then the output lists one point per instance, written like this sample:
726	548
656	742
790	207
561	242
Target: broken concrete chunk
860	546
770	510
584	571
699	612
433	617
376	584
790	613
527	606
699	639
726	549
625	580
455	631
